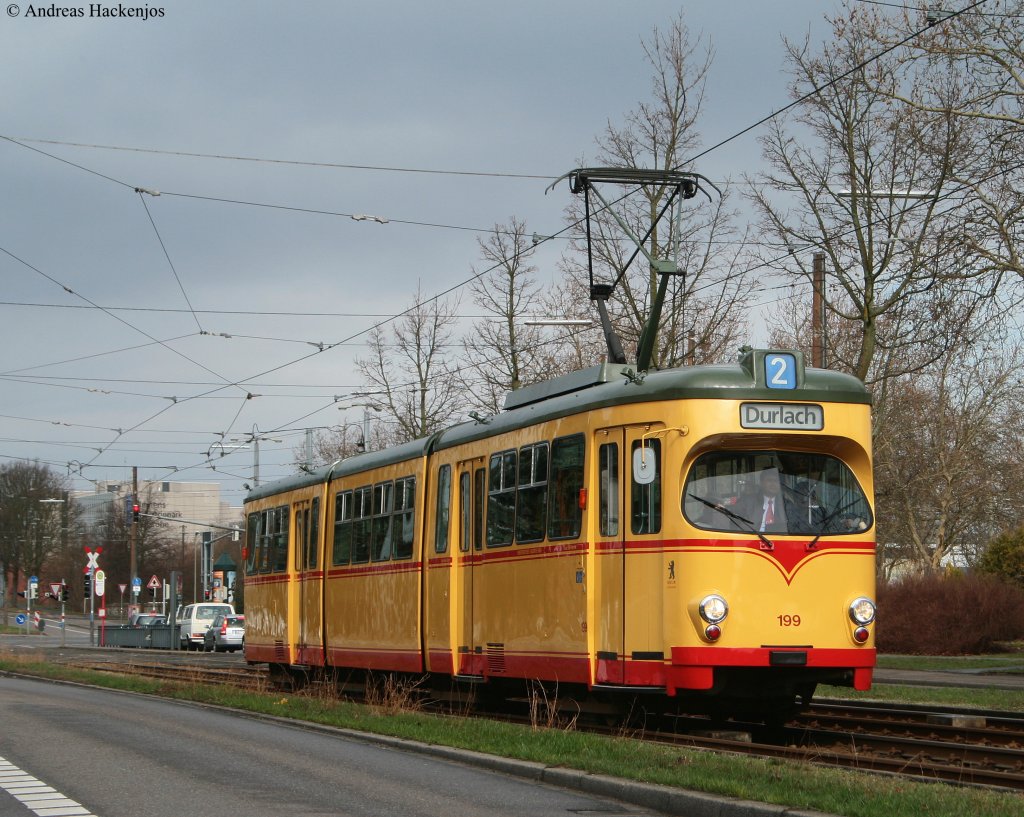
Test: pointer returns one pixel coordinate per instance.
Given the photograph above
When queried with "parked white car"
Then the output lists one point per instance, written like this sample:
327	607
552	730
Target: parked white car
195	619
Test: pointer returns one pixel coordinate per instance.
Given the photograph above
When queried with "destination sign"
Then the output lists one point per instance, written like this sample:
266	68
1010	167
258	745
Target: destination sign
789	416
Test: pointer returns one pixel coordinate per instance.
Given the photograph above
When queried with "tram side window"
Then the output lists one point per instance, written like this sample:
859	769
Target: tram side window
646	499
479	477
608	459
342	547
531	503
280	531
314	535
252	542
383	507
566	515
301	537
266	543
361	525
465	512
404	520
501	499
441	515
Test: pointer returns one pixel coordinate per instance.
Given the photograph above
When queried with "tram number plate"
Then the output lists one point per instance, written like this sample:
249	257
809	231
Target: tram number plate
788	620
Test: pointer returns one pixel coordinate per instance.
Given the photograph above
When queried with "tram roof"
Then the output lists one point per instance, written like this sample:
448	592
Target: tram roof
602	387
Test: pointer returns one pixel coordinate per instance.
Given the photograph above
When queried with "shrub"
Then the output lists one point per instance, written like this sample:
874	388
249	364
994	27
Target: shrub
1004	557
931	614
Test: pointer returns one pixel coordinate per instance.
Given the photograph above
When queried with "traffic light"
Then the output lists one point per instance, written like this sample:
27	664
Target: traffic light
88	585
64	592
135	510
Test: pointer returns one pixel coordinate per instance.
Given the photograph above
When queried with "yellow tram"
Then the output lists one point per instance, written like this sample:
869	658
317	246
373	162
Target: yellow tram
704	534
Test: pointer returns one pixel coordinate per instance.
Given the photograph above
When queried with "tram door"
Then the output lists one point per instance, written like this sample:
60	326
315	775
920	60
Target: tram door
629	614
643	556
309	582
608	614
298	601
472	488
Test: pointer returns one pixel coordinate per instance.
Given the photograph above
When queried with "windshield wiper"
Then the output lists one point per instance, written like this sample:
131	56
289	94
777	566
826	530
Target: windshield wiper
827	520
750	526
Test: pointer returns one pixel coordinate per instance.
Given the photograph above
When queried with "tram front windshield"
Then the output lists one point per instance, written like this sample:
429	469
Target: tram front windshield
775	491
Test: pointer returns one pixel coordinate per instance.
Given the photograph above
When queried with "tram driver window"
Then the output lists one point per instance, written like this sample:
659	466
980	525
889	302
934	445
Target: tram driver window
818	494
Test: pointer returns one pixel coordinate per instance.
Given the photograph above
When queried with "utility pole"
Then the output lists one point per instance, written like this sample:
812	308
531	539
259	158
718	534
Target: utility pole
818	311
133	531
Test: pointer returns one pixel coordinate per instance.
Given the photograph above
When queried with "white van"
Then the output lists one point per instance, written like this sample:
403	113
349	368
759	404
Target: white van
195	619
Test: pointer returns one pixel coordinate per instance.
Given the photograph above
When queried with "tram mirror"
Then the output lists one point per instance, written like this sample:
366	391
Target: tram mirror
645	465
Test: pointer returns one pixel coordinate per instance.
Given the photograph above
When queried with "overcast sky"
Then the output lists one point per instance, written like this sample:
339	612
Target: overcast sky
115	303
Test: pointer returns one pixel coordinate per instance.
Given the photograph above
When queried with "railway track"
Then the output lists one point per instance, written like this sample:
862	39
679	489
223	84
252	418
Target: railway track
963	748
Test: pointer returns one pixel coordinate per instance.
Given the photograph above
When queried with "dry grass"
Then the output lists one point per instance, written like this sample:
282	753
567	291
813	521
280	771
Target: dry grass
546	711
391	693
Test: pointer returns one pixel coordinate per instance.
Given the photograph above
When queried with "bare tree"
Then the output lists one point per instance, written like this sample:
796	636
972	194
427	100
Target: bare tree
865	193
31	531
501	352
947	472
707	296
408	372
968	67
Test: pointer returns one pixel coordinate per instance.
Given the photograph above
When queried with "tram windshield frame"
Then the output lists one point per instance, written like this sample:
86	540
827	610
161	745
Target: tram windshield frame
819	494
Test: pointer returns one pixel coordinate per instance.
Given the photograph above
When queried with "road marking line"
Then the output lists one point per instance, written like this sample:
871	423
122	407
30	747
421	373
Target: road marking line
44	800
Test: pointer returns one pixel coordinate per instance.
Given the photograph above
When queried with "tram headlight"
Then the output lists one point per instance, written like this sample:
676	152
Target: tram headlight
713	609
862	610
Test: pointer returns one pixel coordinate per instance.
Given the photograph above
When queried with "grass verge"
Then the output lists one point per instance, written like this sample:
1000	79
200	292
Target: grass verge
1006	700
797	785
998	664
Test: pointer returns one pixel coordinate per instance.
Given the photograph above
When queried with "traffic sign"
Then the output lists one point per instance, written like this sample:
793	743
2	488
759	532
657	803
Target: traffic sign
21	618
100	581
154	583
93	560
33	580
55	589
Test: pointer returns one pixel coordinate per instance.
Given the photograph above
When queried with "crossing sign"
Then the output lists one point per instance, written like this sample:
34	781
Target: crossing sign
93	560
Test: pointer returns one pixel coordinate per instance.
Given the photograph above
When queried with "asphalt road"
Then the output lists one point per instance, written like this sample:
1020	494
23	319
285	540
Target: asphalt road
113	754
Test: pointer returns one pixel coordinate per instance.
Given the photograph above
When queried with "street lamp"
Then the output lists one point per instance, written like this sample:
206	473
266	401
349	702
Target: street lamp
254	439
367	408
